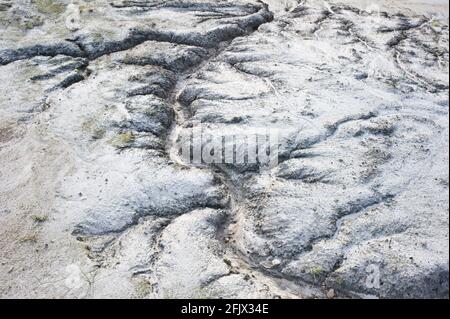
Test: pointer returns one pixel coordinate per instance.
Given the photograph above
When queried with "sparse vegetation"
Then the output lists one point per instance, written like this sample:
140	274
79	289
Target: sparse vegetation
123	139
316	272
436	23
30	238
339	281
143	288
314	186
96	133
32	23
52	7
39	218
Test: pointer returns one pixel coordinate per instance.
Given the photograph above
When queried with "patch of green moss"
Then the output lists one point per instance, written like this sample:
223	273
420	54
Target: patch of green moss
98	134
436	23
30	238
29	25
316	272
91	128
98	37
39	218
143	288
51	7
126	137
339	281
123	139
32	23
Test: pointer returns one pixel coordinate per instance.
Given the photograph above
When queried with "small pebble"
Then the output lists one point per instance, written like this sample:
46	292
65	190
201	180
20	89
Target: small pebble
331	294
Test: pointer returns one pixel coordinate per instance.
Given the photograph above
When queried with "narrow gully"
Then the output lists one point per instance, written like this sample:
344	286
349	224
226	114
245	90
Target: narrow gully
236	202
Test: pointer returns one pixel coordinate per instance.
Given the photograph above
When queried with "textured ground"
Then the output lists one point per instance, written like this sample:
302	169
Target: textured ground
96	98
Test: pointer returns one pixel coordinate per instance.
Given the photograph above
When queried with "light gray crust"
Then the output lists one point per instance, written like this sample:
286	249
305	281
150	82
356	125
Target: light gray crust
98	96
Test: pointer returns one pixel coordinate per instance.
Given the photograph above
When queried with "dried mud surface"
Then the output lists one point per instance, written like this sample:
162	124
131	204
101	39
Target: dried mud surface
97	97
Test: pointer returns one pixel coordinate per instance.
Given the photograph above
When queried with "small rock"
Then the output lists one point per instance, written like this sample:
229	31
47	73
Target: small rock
227	262
331	294
361	76
276	262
